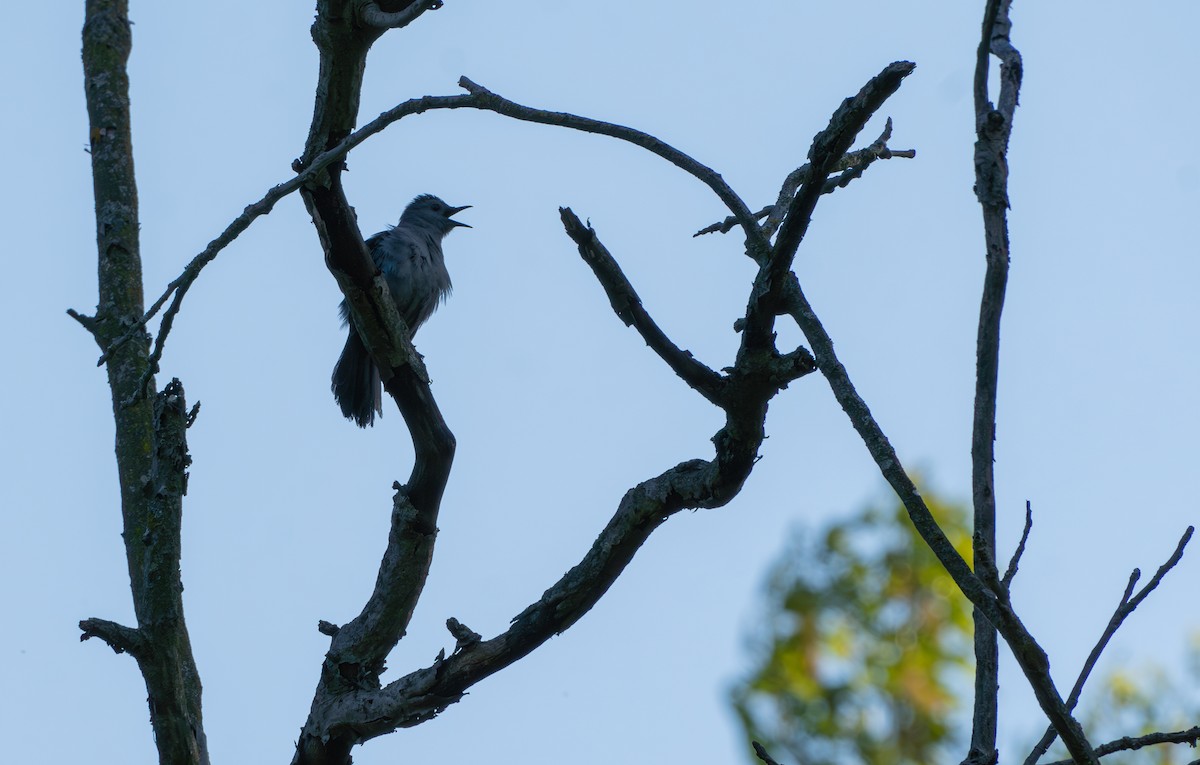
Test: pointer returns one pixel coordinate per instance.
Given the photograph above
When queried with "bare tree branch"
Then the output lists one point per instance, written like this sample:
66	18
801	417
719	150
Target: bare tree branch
881	449
851	166
857	161
991	174
1128	603
827	148
485	99
463	635
87	322
373	16
358	649
1190	736
628	306
1011	572
423	694
1030	656
761	753
151	449
120	638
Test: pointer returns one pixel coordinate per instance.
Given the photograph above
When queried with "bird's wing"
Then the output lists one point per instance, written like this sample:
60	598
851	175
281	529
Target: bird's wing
374	240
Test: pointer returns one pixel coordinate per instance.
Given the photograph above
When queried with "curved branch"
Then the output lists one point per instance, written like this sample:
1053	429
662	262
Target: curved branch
485	99
1015	561
358	651
120	638
1191	736
478	98
423	694
628	306
371	15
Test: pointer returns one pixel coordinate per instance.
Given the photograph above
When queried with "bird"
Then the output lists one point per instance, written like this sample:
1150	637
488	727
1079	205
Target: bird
409	256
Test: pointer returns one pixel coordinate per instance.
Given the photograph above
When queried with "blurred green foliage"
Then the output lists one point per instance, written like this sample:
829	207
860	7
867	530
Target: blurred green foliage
863	656
864	652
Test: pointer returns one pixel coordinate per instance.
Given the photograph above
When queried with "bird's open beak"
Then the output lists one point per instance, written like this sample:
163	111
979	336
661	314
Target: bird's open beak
455	211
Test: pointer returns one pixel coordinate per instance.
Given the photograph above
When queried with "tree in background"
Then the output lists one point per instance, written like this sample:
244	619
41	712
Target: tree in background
863	653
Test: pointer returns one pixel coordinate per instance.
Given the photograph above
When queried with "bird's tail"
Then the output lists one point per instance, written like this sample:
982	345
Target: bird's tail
356	385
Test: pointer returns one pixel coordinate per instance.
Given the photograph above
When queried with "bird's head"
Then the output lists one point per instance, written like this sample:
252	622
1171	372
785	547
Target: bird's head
428	210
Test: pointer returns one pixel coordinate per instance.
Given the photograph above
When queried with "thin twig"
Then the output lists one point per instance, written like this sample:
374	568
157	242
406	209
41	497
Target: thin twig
725	226
1015	561
861	159
1128	603
760	752
87	322
1129	743
858	160
120	638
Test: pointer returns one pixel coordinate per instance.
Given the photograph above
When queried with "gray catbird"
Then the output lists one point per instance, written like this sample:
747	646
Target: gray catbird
410	258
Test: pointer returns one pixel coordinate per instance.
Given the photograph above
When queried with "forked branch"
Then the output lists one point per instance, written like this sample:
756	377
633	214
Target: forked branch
851	166
1129	602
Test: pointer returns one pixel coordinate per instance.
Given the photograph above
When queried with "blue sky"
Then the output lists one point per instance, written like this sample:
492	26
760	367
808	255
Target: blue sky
558	408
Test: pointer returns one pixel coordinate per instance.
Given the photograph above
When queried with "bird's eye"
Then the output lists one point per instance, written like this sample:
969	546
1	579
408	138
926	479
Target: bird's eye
437	207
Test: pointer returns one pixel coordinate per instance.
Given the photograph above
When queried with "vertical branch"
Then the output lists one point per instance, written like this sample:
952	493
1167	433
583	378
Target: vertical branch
151	464
989	163
344	32
993	127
